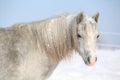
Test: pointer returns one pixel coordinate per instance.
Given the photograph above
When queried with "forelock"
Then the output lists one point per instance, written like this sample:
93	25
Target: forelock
89	20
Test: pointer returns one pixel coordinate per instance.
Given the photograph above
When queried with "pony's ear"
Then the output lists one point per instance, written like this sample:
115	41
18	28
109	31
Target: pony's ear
80	17
95	17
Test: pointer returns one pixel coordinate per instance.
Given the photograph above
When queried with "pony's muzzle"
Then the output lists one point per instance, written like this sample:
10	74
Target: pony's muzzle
91	60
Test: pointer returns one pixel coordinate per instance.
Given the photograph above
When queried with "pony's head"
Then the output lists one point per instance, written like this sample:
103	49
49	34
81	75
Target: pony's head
87	34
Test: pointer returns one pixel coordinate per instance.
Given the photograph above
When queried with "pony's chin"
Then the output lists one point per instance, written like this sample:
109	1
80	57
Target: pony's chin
88	64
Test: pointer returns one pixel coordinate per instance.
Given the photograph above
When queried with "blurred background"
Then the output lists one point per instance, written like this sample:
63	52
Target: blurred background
108	67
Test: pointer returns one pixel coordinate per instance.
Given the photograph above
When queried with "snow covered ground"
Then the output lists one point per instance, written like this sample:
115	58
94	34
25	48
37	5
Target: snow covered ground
106	68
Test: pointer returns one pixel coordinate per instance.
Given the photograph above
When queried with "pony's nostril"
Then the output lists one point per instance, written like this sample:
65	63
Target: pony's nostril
92	59
88	59
95	59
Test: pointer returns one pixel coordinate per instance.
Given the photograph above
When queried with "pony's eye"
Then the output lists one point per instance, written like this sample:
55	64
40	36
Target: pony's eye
79	36
98	36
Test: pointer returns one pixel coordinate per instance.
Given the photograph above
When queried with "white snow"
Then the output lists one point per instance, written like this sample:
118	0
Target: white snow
106	68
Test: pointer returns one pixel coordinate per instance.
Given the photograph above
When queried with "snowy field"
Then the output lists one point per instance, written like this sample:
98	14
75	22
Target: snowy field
106	68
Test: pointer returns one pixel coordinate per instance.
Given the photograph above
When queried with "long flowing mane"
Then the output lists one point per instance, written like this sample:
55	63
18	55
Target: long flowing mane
55	36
